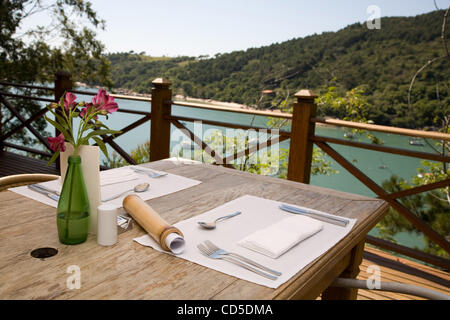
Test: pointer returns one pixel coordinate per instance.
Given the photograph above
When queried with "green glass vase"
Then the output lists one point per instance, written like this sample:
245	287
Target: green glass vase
73	206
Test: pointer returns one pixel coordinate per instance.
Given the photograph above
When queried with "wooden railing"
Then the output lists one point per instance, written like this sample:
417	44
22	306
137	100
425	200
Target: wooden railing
63	83
302	136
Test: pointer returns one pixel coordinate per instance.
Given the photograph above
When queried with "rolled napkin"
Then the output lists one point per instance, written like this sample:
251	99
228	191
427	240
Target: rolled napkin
169	237
275	240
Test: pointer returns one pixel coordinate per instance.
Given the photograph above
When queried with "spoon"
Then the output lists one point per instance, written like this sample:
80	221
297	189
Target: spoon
212	225
142	187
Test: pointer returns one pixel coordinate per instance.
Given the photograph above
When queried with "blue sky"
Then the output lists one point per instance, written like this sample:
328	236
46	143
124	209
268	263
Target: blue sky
197	27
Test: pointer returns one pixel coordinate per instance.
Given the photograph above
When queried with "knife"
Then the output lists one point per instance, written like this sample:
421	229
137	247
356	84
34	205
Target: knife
47	189
149	172
318	216
44	192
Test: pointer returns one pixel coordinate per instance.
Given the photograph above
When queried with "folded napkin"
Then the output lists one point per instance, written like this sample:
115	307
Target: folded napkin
109	177
278	238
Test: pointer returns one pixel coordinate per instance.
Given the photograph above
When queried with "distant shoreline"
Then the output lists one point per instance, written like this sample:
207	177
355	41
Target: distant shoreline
235	105
129	92
182	98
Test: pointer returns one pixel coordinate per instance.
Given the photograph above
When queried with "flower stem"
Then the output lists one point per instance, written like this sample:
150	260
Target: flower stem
76	147
68	119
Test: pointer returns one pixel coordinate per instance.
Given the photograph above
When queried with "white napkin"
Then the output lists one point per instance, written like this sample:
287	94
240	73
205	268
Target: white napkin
257	214
115	181
278	238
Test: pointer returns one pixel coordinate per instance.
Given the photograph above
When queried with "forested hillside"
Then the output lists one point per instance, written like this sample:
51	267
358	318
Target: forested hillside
382	62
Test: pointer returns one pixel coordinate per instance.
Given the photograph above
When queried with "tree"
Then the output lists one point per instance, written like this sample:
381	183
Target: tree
351	105
27	56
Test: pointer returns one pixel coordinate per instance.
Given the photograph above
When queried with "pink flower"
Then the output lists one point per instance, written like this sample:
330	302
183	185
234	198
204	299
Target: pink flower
103	102
110	106
85	110
69	101
57	143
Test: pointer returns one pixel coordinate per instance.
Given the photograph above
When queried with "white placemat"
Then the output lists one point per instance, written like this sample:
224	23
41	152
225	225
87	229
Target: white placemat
114	181
257	213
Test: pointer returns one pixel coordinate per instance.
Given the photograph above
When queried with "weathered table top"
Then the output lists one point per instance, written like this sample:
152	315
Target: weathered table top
128	270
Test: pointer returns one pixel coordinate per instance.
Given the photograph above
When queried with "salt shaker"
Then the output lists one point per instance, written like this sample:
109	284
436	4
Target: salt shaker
107	224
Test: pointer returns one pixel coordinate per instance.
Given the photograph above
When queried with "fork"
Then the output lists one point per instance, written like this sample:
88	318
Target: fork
211	254
150	173
220	251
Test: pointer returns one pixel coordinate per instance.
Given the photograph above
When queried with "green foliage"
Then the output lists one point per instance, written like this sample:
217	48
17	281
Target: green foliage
141	154
380	61
319	165
27	56
393	222
350	106
432	207
137	71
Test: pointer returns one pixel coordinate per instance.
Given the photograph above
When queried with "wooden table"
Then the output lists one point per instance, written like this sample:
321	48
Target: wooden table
128	270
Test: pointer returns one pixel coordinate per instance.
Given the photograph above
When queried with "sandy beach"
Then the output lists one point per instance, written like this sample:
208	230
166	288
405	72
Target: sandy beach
182	98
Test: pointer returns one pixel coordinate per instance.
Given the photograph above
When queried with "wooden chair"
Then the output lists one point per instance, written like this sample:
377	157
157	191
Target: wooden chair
24	179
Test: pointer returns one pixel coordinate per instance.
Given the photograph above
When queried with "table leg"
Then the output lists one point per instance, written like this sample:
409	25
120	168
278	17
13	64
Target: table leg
335	293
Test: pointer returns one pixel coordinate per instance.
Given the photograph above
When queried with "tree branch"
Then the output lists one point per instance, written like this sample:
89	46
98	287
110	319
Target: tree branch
416	74
436	6
444	36
447	55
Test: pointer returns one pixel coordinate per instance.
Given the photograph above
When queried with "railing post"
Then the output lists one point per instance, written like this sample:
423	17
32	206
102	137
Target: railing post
63	83
159	125
301	147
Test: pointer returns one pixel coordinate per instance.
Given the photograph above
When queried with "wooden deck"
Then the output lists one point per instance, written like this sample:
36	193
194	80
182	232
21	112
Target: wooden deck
395	269
13	163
